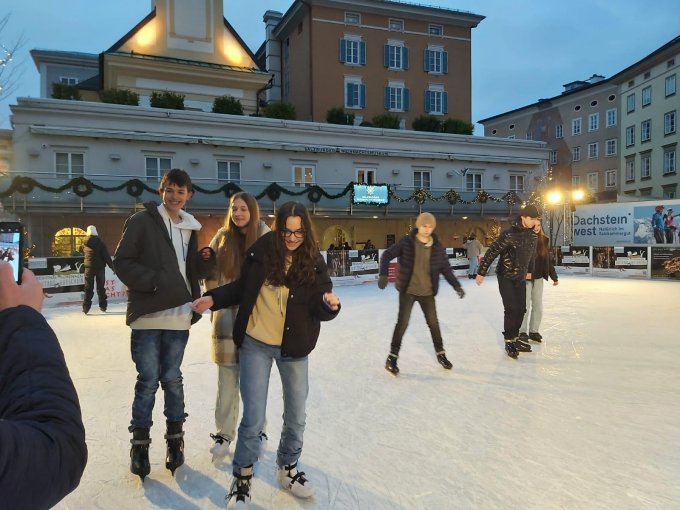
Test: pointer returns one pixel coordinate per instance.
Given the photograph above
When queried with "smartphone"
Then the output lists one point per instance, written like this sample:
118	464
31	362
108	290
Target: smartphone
12	246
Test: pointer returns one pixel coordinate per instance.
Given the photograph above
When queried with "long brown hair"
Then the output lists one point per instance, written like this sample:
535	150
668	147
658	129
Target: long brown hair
542	243
302	269
233	245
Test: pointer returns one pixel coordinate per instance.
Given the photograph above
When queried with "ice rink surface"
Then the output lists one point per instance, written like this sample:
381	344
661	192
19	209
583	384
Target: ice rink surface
589	420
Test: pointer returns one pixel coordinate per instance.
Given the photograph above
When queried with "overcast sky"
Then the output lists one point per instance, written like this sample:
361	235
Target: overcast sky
524	49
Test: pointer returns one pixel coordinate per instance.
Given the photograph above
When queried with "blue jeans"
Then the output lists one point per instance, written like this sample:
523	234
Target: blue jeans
157	354
255	359
474	263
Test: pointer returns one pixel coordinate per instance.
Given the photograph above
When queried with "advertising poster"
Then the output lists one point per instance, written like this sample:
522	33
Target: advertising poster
620	261
571	259
665	262
351	267
459	261
338	262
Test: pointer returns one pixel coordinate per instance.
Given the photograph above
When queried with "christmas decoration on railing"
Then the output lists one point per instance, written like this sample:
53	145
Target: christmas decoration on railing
83	187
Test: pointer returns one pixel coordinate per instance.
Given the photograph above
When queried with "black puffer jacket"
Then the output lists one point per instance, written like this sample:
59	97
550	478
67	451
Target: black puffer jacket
405	249
304	308
96	255
516	247
42	439
543	265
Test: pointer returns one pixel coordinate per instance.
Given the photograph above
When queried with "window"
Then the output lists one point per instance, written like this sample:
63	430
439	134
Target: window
229	171
396	25
575	181
593	122
669	194
669	161
593	150
436	60
352	18
647	96
611	117
435	29
646	165
366	175
517	183
669	123
352	51
436	100
355	93
630	103
553	157
69	164
610	179
473	181
156	166
630	136
421	179
592	181
68	80
576	126
303	175
630	169
646	130
530	135
576	153
670	85
396	97
395	55
593	103
558	131
611	147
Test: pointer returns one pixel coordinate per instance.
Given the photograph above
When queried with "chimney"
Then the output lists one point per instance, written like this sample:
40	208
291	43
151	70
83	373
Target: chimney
273	53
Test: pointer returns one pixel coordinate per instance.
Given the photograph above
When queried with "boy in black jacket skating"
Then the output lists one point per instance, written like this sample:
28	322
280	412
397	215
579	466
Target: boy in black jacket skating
516	247
422	259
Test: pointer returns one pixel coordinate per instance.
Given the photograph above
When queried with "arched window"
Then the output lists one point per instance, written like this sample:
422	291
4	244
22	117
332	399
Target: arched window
68	242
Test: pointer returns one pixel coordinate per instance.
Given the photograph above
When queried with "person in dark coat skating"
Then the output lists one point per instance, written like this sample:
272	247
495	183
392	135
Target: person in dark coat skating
422	259
96	259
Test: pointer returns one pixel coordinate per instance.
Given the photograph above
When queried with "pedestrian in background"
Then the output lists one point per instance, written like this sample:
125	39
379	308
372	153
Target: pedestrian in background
474	250
422	259
96	259
543	268
516	251
242	227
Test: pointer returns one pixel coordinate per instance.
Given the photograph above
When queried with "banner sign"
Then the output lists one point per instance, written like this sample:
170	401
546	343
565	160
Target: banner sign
571	259
458	260
665	263
620	261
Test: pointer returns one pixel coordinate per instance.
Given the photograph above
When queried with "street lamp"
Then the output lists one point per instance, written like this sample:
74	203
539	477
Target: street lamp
567	201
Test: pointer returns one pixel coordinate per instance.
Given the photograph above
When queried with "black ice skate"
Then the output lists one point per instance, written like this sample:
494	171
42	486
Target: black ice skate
522	346
510	349
391	364
139	453
524	337
175	451
443	361
536	337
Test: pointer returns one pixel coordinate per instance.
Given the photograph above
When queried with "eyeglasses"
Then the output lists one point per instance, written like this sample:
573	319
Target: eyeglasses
297	234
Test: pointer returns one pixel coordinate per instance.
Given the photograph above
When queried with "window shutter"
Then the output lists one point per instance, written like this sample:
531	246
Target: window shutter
445	102
362	53
343	50
445	62
386	55
407	99
426	61
386	98
348	94
404	57
362	95
427	101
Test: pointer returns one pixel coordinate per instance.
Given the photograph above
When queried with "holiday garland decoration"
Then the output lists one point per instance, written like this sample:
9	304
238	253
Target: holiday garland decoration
83	187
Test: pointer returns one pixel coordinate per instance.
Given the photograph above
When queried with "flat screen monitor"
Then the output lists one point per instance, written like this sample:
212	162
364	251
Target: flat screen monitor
371	194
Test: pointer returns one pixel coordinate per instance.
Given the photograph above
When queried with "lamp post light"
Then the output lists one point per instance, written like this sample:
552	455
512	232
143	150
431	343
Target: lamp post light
566	220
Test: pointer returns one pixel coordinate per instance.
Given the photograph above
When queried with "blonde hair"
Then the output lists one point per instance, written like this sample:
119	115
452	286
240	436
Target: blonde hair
233	245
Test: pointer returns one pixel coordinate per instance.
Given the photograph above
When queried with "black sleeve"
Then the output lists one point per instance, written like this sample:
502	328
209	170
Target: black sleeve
42	438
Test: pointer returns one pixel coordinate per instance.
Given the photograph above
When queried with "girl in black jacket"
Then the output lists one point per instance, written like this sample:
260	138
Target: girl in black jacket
284	291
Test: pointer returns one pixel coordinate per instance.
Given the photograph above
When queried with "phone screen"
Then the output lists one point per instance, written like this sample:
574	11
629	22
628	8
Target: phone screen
11	246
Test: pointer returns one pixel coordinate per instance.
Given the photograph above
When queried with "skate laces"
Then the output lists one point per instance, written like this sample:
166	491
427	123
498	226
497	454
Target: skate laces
219	439
295	475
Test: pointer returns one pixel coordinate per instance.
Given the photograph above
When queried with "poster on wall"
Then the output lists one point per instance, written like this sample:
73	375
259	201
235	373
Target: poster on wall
458	260
620	261
665	263
350	267
571	259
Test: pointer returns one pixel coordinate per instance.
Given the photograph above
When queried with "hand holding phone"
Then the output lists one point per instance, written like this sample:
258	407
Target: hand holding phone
12	246
29	293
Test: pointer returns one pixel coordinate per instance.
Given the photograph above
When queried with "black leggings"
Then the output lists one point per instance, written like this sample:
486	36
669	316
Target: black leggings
514	295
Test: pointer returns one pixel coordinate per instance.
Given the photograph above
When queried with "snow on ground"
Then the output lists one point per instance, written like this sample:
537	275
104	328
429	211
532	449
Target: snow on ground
589	420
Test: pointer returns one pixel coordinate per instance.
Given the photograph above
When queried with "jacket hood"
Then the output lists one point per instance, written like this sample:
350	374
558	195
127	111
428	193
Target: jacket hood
187	221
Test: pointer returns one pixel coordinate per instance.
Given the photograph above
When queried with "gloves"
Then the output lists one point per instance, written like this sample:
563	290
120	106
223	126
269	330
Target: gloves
382	281
460	292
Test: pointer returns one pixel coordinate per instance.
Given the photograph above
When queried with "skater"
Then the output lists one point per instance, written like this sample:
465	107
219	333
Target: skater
474	250
516	247
284	291
158	260
543	268
658	224
242	227
42	439
421	260
96	259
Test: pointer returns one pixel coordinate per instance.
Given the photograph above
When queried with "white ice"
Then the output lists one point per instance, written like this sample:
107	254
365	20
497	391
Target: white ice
589	420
